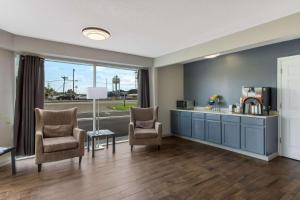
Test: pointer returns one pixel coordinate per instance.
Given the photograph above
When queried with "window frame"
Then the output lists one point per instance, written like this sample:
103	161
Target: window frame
94	65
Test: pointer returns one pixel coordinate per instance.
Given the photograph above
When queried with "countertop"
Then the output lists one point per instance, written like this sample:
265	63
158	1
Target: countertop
226	112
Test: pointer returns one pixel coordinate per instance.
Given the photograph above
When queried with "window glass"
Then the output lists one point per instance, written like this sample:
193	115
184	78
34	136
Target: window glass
66	87
121	85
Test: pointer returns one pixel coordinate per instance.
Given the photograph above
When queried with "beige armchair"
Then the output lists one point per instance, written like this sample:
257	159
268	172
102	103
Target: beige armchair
57	136
139	135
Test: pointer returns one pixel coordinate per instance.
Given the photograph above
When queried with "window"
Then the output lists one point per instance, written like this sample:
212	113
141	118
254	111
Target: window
66	87
122	95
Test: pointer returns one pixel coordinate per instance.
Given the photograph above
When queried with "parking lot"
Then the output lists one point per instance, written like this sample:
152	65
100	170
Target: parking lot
114	120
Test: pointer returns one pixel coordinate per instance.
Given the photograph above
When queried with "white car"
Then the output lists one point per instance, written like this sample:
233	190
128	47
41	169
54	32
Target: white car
80	97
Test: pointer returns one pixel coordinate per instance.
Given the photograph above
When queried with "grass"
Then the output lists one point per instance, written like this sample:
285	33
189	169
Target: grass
122	107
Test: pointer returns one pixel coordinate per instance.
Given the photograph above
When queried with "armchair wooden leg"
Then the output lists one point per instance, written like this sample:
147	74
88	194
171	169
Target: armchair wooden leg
158	147
39	167
131	148
80	158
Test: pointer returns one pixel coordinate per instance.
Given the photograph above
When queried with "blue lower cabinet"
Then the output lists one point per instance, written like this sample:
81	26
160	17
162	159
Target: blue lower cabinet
198	128
213	131
252	134
175	122
186	124
253	139
172	117
231	134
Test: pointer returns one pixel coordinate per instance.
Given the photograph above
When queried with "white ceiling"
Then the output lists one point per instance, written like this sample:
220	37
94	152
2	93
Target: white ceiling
142	27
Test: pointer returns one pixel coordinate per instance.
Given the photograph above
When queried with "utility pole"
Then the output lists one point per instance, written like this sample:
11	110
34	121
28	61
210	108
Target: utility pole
64	84
73	80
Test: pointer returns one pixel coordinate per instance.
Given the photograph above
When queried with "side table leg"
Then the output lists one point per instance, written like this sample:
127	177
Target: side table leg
88	143
13	162
114	143
107	142
93	147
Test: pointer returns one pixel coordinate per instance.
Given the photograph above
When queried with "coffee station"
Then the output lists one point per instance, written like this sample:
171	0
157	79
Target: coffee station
254	101
249	127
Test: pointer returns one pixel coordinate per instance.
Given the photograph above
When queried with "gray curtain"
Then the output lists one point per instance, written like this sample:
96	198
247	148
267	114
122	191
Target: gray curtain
144	91
29	95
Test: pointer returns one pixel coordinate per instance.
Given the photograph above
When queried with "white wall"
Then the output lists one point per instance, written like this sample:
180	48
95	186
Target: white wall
22	44
7	91
283	29
6	39
153	86
169	89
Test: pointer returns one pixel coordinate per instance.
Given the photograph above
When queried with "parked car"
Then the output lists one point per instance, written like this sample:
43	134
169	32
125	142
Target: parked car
52	97
80	97
65	97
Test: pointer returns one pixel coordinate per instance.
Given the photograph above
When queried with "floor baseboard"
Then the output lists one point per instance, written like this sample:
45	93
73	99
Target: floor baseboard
254	155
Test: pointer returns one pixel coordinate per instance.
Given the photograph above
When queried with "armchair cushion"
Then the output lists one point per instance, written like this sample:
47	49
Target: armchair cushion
58	130
59	144
142	133
145	124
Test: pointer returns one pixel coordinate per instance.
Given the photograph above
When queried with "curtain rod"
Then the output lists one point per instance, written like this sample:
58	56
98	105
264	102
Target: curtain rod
86	62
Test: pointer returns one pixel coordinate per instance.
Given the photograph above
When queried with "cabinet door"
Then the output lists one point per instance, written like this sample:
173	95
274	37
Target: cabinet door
253	139
175	122
186	124
231	134
172	116
198	128
213	131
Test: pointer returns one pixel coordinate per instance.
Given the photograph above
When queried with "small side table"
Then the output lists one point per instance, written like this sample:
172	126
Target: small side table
12	150
101	134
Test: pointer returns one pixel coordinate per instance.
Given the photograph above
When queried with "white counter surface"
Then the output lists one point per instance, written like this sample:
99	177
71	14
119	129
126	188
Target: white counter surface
226	112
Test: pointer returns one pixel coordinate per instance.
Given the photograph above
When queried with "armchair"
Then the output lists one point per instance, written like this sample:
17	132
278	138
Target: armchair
57	136
150	135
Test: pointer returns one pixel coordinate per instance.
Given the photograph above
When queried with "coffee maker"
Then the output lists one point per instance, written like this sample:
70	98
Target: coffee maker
256	100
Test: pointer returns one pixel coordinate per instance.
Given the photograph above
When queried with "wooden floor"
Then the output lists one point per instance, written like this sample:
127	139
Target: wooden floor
180	170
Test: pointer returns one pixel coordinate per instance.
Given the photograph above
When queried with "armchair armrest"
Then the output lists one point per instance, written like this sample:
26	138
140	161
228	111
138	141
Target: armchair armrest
131	129
39	150
79	135
158	128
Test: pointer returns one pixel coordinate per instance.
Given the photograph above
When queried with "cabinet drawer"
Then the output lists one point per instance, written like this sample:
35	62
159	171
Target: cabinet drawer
198	115
253	121
229	118
186	114
213	117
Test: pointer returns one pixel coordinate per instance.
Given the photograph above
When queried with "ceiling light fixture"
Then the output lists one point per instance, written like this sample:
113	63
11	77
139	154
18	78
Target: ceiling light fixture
95	33
212	56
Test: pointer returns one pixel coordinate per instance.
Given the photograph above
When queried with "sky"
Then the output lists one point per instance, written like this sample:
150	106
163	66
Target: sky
54	71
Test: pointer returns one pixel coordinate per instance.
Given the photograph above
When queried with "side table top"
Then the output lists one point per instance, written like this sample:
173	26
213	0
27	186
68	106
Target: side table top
102	132
4	150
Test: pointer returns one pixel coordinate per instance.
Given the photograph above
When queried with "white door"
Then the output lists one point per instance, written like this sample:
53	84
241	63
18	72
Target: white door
290	106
